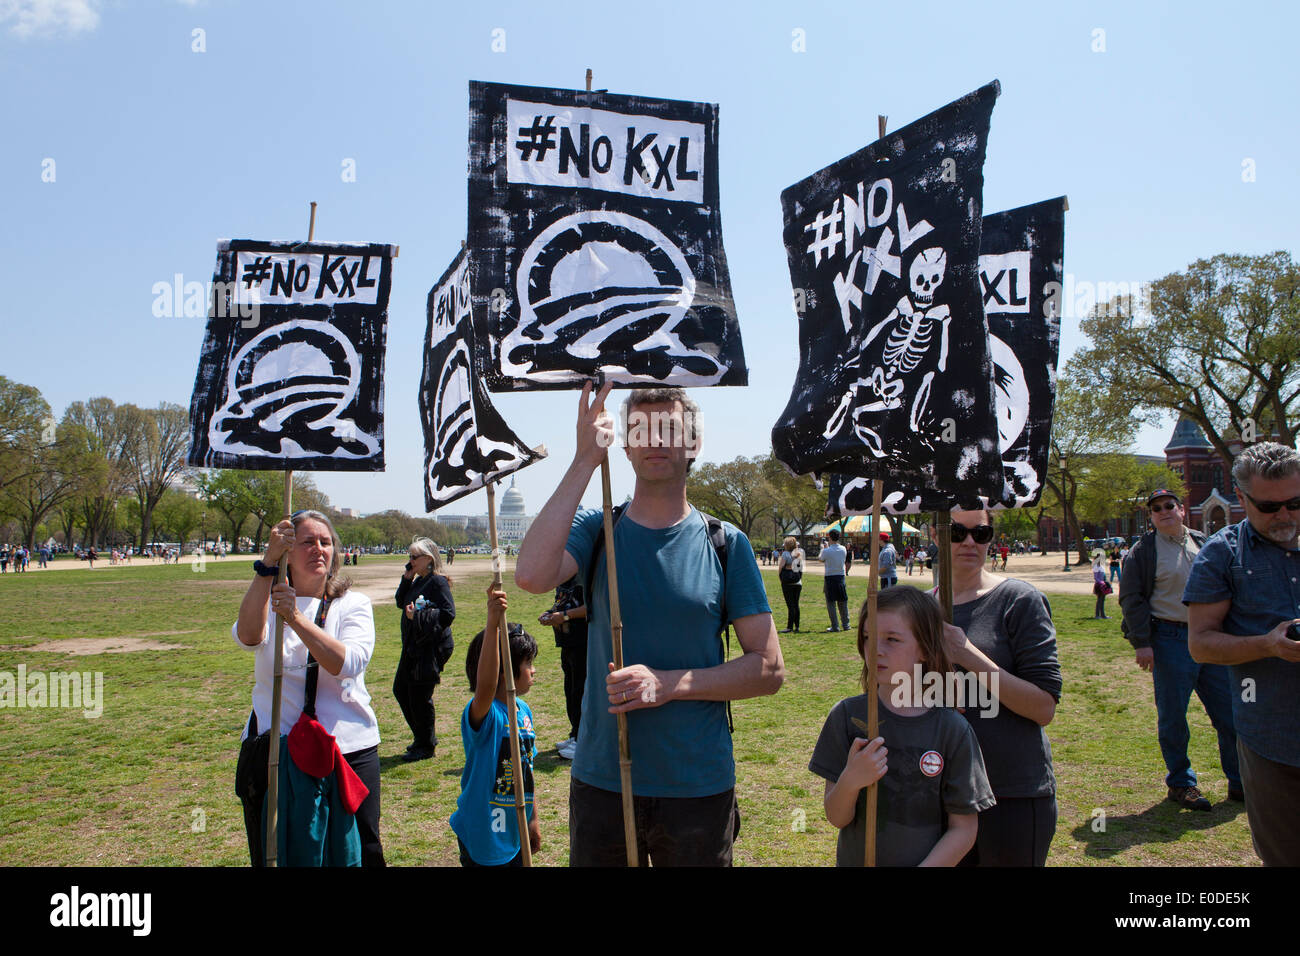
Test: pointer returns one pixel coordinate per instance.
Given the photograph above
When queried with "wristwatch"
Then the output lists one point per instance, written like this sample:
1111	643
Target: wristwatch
265	570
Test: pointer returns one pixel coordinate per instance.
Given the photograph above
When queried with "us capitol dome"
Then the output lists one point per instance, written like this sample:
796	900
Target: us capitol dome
512	518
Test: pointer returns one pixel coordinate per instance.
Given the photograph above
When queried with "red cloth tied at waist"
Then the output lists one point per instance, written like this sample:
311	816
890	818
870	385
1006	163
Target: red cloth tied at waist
315	752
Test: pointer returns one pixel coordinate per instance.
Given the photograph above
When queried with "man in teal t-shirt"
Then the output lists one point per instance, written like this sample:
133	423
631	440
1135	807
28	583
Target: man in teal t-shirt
673	596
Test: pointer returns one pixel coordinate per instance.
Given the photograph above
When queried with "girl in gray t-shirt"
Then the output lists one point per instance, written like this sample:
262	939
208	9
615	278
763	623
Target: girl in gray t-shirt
926	760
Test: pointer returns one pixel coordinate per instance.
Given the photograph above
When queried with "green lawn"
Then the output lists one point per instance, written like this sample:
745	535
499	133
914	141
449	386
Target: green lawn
150	781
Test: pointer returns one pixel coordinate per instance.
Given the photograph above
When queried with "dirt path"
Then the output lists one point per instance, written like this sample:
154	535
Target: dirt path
377	577
1042	571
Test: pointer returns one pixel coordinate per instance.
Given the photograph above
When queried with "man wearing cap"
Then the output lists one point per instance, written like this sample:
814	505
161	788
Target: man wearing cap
1243	597
888	562
1155	622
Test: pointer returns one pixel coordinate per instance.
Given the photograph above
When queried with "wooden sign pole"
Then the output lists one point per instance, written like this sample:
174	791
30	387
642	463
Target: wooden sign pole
873	632
869	655
507	665
943	528
616	639
277	673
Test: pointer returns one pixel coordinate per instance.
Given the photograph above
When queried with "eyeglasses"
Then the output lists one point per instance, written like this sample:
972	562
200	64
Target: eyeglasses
982	533
1167	506
1272	507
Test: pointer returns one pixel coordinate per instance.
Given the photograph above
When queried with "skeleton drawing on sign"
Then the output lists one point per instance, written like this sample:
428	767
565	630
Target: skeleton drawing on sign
914	347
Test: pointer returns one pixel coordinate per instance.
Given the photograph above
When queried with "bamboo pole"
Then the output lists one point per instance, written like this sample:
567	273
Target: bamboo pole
943	528
277	680
616	638
869	655
507	665
277	674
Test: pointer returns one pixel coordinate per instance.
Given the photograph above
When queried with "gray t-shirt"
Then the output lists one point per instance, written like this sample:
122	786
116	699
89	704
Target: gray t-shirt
1012	625
833	556
1173	564
934	769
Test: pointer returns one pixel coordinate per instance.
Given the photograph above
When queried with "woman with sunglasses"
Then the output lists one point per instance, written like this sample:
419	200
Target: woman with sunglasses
424	595
1002	627
336	627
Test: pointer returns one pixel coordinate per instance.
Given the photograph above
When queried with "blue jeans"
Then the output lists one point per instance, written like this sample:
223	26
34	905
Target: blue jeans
1176	675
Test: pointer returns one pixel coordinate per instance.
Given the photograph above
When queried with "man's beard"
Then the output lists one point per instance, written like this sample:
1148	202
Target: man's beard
1284	535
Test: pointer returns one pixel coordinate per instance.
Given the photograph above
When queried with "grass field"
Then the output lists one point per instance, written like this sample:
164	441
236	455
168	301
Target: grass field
150	781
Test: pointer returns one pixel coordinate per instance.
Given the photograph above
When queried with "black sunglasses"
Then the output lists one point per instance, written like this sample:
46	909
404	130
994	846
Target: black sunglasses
1167	506
1272	507
982	533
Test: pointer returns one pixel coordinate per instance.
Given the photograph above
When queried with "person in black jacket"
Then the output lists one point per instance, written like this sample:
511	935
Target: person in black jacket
1155	622
568	616
424	595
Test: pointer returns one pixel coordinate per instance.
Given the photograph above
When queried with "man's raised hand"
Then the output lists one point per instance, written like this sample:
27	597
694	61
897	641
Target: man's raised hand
595	427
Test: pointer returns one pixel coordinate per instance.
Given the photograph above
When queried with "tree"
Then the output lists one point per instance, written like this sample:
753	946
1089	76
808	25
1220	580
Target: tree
734	491
177	515
1087	427
800	502
104	433
25	427
56	476
1119	484
228	490
1220	345
159	443
266	499
1018	524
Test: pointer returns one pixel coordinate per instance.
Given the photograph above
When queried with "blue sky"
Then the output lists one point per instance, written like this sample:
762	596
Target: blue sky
1150	126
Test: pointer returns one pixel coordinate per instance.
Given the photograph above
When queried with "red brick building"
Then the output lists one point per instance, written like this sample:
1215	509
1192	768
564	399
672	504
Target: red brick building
1211	500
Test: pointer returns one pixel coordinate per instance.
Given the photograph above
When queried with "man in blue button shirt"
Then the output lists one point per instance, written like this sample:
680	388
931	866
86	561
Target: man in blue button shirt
1242	595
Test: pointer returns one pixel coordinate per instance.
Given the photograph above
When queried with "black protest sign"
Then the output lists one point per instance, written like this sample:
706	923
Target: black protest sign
291	373
597	241
895	376
1021	264
466	441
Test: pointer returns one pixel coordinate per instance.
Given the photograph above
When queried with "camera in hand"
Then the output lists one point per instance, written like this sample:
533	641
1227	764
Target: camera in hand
1293	632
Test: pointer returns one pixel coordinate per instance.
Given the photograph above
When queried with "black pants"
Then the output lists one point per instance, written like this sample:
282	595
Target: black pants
670	831
366	765
836	591
791	594
415	697
573	661
1015	832
467	860
1270	789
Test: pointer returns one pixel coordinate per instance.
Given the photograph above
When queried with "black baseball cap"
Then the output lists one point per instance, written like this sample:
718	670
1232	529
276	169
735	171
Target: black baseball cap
1162	493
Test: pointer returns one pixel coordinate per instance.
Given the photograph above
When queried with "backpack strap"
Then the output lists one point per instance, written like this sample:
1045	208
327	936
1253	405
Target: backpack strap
599	548
717	537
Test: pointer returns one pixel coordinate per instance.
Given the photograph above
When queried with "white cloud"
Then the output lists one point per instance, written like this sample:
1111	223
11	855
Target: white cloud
28	18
